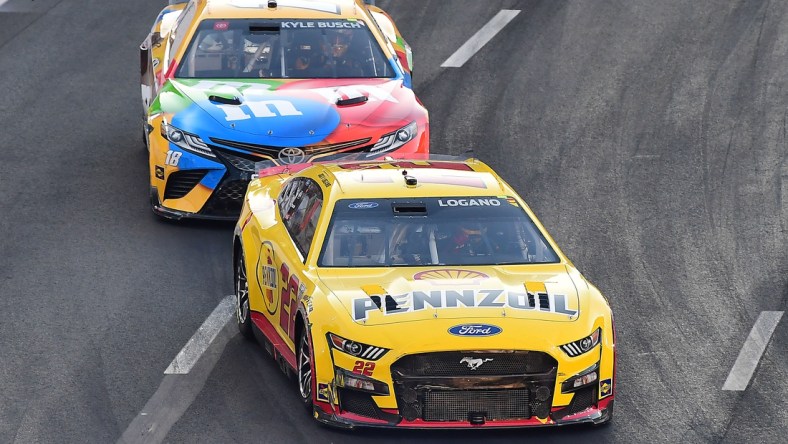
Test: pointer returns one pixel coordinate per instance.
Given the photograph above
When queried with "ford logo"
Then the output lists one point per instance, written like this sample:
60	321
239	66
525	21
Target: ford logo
475	330
363	205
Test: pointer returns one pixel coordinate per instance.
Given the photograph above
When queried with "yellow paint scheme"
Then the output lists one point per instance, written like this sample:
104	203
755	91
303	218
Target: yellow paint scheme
260	237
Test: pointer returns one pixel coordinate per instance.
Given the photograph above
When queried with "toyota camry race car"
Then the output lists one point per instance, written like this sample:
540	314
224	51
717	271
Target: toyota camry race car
227	83
419	294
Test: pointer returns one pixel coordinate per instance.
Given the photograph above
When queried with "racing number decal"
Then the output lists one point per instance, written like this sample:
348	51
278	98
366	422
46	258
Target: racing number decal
173	157
289	298
364	368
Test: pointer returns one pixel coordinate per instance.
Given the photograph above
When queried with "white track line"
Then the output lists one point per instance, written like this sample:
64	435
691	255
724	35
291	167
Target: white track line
752	350
481	38
202	338
2	1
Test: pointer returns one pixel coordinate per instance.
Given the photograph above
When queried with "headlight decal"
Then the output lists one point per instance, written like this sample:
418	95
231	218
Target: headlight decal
581	346
187	141
394	140
357	349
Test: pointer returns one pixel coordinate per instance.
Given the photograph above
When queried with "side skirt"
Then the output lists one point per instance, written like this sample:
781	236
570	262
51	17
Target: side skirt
266	334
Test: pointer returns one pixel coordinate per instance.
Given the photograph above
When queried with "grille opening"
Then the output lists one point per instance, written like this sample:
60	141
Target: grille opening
461	405
359	403
180	183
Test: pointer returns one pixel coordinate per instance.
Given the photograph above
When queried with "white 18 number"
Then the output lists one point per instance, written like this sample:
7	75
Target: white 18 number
173	157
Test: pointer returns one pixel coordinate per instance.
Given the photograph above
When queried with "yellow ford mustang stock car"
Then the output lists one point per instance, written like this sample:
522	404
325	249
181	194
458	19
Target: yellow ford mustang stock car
421	294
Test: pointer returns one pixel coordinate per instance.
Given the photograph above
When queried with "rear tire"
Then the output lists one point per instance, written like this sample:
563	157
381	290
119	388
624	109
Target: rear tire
304	372
242	314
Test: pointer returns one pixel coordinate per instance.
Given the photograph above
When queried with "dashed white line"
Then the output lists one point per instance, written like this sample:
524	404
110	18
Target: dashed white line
202	338
751	352
188	373
481	38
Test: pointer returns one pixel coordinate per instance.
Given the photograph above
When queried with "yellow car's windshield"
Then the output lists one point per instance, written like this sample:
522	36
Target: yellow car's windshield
432	231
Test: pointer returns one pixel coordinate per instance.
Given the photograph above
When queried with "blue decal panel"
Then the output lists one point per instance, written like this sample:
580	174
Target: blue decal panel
475	330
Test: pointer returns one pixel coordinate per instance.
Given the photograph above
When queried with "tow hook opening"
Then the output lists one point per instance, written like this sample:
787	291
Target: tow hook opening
477	418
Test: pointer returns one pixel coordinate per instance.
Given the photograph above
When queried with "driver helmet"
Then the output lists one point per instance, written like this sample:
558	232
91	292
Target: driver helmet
339	40
305	50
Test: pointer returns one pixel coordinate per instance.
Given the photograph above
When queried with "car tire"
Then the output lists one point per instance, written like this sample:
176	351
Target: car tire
242	314
305	370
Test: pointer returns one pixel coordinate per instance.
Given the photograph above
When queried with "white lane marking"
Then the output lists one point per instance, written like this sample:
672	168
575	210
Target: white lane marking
1	2
752	350
202	338
175	394
481	38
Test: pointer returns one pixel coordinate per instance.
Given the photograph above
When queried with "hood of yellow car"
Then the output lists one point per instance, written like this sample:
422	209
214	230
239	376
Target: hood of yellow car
378	296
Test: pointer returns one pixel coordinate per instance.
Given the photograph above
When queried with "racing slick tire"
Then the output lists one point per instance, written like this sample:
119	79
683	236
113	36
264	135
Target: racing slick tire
304	370
242	315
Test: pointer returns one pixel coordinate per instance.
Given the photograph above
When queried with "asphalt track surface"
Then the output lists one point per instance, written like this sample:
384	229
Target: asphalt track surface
649	137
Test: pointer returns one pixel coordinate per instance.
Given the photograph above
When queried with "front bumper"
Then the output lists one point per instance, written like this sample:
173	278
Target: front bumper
598	413
510	388
213	188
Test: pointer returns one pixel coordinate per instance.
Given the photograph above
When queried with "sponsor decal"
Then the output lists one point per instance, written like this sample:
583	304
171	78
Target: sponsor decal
322	392
267	277
324	179
474	363
373	93
221	25
156	63
477	202
260	109
468	298
362	205
291	155
450	276
159	172
316	24
605	388
478	330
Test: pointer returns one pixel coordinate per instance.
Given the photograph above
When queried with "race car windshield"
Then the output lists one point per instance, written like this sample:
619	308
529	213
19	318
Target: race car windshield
313	49
433	231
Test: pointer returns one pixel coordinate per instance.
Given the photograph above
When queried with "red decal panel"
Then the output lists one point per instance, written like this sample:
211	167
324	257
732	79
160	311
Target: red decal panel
270	332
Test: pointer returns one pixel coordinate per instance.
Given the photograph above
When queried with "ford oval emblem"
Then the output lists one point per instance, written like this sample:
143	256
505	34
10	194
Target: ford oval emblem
475	330
363	205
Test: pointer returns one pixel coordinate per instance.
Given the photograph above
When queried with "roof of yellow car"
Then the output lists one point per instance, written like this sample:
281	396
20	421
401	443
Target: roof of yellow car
427	178
323	9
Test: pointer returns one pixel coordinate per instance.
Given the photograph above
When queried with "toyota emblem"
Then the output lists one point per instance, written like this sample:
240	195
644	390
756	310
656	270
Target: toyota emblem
291	155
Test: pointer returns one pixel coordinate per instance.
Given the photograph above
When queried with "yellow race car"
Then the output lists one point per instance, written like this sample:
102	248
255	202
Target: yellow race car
419	293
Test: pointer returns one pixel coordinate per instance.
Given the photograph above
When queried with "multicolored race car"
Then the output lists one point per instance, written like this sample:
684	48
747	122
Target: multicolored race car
419	293
227	83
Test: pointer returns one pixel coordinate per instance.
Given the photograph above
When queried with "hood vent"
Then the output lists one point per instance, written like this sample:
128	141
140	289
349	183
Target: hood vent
352	101
225	100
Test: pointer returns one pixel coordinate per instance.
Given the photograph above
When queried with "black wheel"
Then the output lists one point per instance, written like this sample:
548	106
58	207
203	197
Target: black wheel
242	315
304	376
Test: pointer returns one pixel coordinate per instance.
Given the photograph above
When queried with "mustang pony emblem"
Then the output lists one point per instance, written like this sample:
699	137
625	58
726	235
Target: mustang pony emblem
473	364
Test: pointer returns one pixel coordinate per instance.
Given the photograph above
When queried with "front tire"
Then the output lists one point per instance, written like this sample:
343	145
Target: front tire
305	371
242	314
